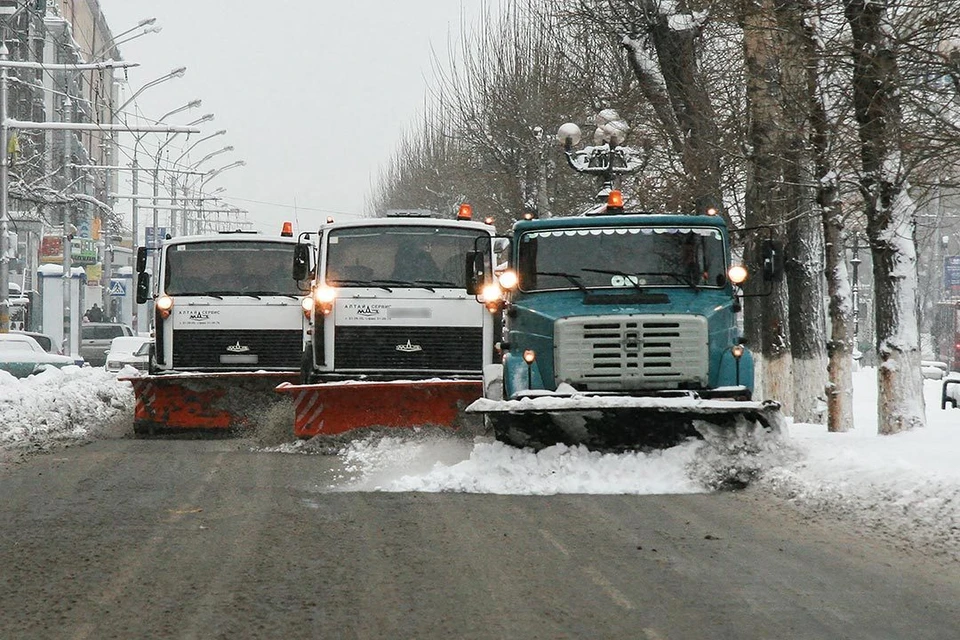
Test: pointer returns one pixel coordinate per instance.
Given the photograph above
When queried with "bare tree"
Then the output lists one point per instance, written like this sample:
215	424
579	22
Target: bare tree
890	215
804	230
766	318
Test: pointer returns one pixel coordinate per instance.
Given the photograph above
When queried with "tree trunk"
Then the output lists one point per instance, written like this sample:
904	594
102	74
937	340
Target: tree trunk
804	247
839	389
891	217
764	193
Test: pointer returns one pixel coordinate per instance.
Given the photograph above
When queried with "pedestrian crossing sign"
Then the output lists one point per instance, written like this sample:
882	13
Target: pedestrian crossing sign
117	288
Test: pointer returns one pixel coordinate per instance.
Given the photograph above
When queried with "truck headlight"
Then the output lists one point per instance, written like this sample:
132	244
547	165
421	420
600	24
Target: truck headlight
737	274
492	297
164	306
508	280
324	297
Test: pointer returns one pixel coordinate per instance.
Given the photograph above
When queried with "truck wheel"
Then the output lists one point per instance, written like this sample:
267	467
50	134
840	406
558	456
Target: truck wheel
306	365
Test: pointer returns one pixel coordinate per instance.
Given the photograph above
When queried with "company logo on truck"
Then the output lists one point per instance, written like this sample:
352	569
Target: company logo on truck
409	348
367	310
238	348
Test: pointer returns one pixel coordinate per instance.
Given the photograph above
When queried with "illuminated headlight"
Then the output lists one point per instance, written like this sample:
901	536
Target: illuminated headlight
324	294
323	297
164	305
491	293
508	280
737	351
737	274
307	304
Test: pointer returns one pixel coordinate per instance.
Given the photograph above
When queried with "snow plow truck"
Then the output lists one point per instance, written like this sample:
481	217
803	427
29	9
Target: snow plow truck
227	326
394	340
620	331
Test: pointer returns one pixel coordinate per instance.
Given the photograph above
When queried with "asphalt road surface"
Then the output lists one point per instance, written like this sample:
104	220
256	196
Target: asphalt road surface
205	539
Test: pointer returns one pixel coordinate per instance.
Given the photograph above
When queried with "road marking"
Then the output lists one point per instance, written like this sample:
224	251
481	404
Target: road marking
126	575
556	543
598	579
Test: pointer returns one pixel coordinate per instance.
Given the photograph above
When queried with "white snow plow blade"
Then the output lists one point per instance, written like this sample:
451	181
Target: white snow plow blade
616	422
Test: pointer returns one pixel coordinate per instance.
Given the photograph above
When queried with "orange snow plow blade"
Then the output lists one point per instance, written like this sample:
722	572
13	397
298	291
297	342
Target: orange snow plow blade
332	408
203	401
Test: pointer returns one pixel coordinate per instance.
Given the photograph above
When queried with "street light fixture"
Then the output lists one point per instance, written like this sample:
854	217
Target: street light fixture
175	73
204	118
191	147
145	24
211	155
190	105
208	176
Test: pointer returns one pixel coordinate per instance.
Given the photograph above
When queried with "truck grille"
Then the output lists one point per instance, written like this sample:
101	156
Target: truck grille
632	352
211	349
382	349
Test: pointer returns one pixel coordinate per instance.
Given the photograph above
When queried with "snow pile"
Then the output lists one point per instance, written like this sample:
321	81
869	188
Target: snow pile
443	463
66	405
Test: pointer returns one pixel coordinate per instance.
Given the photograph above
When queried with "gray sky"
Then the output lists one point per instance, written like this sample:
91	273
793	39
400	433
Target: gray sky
314	95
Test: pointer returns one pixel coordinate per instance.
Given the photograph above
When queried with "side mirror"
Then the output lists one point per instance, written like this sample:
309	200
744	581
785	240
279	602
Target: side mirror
141	259
476	272
301	262
143	286
771	253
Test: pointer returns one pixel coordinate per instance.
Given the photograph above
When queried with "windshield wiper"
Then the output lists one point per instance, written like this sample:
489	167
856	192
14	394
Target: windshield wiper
268	293
363	283
439	283
418	284
571	278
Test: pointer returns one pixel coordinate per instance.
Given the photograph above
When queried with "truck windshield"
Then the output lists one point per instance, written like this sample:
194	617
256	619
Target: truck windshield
622	257
229	268
398	256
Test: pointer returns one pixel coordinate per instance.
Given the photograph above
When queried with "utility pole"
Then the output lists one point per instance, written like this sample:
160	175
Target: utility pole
4	187
67	240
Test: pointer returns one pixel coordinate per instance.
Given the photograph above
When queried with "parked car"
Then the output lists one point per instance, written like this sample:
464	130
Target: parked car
23	356
95	339
49	345
133	351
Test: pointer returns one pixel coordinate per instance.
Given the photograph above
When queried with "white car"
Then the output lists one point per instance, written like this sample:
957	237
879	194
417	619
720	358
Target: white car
132	351
23	356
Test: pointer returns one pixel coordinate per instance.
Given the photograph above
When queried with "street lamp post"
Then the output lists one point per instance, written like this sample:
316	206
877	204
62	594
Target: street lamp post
209	175
7	123
137	139
156	185
107	259
184	219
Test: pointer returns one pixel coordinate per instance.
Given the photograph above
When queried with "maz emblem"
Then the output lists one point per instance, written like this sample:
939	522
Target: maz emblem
409	348
238	348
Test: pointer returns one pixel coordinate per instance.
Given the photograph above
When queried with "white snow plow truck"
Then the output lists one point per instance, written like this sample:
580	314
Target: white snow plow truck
620	331
227	326
394	339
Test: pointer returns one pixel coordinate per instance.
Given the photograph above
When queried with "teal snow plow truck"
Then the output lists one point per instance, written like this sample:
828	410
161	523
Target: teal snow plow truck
620	331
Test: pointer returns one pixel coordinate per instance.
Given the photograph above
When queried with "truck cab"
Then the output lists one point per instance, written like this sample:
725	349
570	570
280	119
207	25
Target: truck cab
388	301
224	302
625	303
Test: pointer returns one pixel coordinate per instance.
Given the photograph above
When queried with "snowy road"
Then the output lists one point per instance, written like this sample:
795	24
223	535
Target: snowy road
205	539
